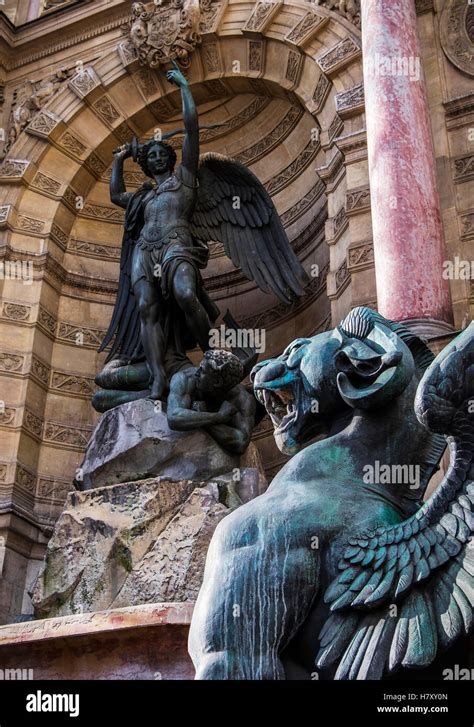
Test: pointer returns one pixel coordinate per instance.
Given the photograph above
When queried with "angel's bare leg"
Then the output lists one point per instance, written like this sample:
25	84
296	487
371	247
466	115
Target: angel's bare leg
185	293
151	334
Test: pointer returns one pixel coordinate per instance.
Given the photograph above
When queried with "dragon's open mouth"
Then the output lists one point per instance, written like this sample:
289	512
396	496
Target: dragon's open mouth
280	399
281	406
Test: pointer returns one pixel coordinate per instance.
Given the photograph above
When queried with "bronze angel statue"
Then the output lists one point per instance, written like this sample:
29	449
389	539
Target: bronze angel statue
162	308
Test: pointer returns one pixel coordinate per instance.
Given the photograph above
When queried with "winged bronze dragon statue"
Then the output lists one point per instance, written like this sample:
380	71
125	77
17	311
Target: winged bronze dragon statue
332	573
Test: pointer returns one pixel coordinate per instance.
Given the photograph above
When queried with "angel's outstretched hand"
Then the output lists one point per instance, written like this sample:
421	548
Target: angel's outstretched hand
176	77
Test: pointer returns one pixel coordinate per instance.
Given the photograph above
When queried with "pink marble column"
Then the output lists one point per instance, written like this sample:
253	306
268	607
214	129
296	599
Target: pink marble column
408	235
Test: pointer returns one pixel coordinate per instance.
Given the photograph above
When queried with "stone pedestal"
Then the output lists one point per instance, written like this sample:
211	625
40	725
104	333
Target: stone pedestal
408	236
143	642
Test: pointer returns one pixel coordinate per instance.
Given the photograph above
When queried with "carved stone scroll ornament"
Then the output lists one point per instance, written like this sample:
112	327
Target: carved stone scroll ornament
168	31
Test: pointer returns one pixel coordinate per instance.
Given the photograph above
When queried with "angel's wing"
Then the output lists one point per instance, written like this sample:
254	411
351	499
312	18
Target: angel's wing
234	208
406	591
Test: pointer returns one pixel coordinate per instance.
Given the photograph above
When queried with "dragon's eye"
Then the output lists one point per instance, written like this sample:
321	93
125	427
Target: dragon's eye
294	346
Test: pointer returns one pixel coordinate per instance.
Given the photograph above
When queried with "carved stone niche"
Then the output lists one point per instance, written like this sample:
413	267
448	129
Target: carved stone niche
457	34
167	31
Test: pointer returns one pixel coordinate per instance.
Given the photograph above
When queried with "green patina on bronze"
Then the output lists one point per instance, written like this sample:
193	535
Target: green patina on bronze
329	571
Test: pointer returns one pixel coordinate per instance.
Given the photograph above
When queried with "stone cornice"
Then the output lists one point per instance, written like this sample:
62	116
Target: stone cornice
39	38
459	111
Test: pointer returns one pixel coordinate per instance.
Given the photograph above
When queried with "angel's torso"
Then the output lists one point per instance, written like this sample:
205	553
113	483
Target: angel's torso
166	207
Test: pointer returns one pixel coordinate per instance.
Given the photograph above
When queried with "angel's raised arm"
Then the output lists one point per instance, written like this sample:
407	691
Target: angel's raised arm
190	159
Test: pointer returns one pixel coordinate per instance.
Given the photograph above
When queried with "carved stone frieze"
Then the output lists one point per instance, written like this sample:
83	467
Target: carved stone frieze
93	249
255	55
61	434
273	138
360	255
43	123
24	479
39	370
72	144
53	489
30	224
261	16
350	101
13	168
357	200
467	225
85	81
321	92
72	384
211	13
11	362
5	210
307	201
45	183
294	66
15	311
7	416
342	276
46	320
306	28
464	168
106	110
297	166
80	335
340	55
33	423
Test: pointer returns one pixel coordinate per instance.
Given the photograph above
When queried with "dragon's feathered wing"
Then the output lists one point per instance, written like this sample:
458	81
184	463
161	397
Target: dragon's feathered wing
425	565
234	208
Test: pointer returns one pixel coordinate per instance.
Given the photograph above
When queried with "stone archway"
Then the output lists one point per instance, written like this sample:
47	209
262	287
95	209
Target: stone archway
55	182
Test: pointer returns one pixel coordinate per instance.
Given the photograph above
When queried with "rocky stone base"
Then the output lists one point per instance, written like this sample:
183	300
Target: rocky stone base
134	442
132	543
124	542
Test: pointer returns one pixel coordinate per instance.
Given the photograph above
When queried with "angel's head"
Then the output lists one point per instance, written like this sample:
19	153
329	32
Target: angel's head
156	157
219	372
